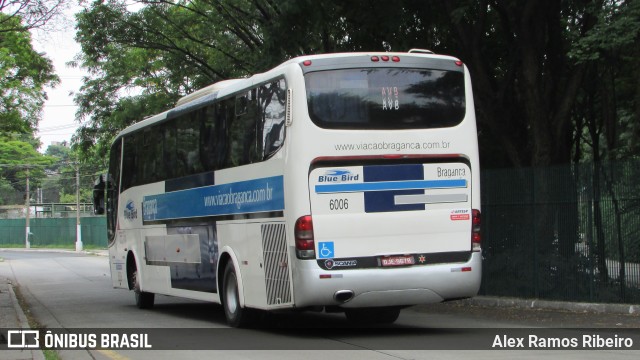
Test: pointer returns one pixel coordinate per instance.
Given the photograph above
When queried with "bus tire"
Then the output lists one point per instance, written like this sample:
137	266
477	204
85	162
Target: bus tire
236	315
375	315
144	300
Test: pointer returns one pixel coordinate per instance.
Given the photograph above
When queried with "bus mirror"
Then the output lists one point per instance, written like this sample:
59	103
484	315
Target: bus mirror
98	195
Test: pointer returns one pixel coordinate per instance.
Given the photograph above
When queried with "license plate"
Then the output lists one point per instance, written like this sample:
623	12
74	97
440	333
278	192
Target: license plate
398	260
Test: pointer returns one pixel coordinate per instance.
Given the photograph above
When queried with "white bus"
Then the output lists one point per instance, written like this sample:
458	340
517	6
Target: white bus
344	182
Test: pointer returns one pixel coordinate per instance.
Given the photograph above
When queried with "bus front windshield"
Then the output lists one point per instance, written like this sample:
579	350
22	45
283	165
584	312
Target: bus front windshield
385	98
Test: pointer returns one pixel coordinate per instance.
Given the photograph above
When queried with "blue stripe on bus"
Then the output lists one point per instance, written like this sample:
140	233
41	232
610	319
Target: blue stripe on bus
384	201
391	185
243	197
393	172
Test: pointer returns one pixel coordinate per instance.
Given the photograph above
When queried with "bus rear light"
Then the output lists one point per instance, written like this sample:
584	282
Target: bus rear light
303	232
306	63
476	237
385	58
375	59
395	58
459	63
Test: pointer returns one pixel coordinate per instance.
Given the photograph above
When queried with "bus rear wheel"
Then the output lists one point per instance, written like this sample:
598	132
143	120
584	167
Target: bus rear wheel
374	315
144	300
236	315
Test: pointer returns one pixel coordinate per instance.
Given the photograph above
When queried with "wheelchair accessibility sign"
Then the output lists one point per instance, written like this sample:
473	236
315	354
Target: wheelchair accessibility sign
325	250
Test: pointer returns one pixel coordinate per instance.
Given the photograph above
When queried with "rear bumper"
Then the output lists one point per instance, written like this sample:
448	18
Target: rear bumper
413	285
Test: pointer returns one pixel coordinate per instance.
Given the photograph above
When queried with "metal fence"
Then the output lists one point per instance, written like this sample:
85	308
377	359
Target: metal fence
563	233
45	210
54	232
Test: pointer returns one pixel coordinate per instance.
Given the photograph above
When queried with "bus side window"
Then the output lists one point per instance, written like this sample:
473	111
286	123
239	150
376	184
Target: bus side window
188	140
113	189
168	132
129	163
243	130
273	108
138	143
148	157
221	139
208	138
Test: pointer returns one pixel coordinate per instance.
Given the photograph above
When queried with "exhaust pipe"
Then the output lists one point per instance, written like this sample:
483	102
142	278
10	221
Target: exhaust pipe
343	296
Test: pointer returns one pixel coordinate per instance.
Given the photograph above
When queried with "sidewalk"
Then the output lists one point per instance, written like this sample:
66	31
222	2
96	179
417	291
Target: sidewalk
12	317
581	307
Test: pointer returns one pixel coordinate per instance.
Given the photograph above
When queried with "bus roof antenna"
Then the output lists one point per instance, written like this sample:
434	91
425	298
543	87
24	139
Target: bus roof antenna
421	51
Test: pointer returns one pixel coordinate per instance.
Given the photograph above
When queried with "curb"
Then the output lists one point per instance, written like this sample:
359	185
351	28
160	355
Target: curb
63	251
487	301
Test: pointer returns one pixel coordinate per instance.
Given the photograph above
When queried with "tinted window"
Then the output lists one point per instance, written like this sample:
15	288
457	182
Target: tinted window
152	164
208	138
130	162
188	140
244	147
113	189
272	98
168	132
235	131
383	98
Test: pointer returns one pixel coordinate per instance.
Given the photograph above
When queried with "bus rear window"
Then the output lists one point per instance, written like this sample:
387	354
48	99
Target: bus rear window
385	98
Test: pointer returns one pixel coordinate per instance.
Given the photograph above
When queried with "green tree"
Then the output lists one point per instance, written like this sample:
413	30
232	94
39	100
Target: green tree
17	160
24	73
60	184
607	122
32	14
526	78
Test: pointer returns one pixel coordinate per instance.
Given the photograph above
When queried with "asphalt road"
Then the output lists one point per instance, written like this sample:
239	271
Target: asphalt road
68	291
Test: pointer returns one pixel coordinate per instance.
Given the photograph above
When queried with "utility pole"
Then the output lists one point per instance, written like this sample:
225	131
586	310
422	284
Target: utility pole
27	244
78	227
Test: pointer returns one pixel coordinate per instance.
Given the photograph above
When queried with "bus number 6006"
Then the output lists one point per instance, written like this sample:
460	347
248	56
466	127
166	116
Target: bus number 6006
338	204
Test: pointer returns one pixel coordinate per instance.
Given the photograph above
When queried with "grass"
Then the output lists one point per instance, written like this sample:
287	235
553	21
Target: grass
33	323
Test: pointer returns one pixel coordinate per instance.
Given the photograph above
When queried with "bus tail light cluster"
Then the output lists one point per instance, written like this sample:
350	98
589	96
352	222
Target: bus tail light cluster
476	238
303	232
385	58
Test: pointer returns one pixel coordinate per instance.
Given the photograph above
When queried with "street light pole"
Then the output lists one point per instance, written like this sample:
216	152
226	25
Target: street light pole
78	227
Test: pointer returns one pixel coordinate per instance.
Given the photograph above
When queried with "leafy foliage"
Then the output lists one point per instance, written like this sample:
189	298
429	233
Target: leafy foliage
17	159
530	60
23	75
32	14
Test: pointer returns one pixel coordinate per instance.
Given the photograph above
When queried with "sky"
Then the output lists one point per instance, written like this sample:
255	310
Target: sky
58	119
